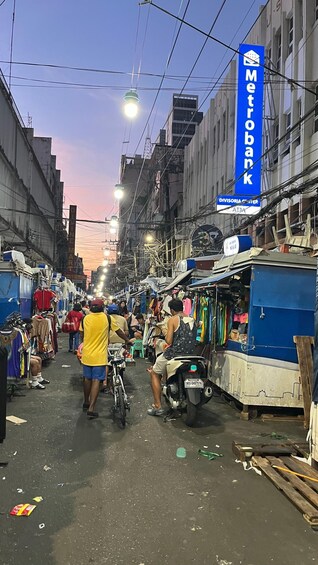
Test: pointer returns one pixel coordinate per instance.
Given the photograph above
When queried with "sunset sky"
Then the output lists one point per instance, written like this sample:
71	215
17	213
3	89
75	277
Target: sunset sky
84	118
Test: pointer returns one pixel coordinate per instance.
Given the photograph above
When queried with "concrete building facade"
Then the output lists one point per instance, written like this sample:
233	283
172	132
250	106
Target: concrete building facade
289	31
30	203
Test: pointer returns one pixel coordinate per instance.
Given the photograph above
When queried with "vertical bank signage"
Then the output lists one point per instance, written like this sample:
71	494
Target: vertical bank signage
248	134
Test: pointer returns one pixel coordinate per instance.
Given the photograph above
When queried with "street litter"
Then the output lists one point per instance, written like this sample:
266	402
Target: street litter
3	478
20	490
60	484
15	453
190	493
65	366
41	526
15	420
46	468
38	499
181	452
205	494
211	455
196	528
217	445
206	446
247	465
22	509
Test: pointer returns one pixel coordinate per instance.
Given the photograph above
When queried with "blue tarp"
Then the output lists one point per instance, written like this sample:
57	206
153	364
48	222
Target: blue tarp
315	386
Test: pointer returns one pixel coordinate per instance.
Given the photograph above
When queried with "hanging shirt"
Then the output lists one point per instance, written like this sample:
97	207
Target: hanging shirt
14	358
96	334
43	298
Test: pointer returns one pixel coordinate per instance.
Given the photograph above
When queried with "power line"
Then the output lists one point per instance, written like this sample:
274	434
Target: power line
237	51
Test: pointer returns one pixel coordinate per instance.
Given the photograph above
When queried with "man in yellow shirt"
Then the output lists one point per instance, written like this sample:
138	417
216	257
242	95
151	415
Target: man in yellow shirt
95	329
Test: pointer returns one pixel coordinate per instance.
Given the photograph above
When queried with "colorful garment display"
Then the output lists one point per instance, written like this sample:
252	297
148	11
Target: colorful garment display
43	298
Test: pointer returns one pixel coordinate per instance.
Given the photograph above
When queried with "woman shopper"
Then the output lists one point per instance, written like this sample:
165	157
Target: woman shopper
75	316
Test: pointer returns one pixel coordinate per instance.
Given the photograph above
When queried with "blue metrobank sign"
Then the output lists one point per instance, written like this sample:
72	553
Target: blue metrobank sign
249	120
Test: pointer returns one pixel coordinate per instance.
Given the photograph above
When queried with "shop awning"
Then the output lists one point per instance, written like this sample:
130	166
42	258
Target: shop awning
216	278
182	278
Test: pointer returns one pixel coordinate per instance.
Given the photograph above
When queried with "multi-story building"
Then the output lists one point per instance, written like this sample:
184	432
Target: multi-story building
30	203
288	29
153	191
182	120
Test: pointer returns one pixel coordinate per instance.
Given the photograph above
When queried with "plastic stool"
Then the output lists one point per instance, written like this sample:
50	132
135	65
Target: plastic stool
138	346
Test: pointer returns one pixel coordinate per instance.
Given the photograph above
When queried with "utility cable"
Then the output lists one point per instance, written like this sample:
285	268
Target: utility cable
149	116
237	51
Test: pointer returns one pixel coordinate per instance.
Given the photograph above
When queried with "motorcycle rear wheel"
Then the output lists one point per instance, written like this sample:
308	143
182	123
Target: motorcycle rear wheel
192	413
122	407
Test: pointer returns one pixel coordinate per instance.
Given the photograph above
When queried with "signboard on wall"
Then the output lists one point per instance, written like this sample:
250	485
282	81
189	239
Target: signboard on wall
249	118
206	240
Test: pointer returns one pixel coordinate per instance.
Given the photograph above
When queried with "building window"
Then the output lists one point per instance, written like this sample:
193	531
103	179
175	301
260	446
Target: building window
290	35
300	19
214	139
298	129
224	125
278	45
218	133
217	188
275	138
286	142
316	110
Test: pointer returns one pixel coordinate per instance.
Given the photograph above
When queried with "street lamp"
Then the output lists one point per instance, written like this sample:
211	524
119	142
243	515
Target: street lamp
102	277
131	104
113	222
105	270
106	252
119	191
105	262
149	238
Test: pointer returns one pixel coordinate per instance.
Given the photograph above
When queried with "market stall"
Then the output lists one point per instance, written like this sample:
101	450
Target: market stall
16	286
257	301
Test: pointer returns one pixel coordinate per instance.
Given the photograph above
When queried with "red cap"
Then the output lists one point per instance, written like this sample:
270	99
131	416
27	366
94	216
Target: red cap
97	302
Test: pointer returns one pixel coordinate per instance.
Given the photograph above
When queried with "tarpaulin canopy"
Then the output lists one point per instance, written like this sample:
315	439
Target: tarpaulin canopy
216	278
182	278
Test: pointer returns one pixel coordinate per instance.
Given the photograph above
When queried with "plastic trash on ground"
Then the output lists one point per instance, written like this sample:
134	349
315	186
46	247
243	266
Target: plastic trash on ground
22	509
211	455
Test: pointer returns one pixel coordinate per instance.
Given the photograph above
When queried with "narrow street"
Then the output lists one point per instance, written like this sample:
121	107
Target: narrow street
113	496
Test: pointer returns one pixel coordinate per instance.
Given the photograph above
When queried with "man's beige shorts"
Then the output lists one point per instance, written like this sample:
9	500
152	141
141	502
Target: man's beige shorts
160	366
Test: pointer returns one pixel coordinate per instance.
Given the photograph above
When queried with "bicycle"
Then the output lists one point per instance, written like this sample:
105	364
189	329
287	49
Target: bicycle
118	364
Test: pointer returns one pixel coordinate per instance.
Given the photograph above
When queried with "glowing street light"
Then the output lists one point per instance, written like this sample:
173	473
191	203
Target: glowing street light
106	252
105	262
105	270
131	104
119	191
102	277
113	222
149	238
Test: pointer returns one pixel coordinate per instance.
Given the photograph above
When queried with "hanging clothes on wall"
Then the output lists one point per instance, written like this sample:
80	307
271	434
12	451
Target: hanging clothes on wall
43	298
19	357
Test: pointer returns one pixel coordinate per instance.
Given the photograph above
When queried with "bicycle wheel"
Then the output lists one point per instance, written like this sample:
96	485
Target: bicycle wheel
122	407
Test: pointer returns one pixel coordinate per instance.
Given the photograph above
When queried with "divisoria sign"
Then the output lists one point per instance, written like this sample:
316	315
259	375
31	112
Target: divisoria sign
248	134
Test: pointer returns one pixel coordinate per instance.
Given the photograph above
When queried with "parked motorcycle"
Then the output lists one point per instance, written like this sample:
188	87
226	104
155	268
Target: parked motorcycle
187	386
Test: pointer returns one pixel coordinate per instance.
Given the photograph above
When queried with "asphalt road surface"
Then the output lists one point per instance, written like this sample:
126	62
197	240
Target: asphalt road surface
122	497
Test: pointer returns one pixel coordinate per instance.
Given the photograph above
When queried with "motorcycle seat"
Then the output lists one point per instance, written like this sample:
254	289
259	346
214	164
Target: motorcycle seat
190	357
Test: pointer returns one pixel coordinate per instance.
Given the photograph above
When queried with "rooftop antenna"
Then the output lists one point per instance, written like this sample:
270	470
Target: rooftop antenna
148	145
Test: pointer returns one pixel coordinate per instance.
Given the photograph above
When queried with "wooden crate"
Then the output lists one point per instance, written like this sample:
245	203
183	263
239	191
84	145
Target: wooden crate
302	492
